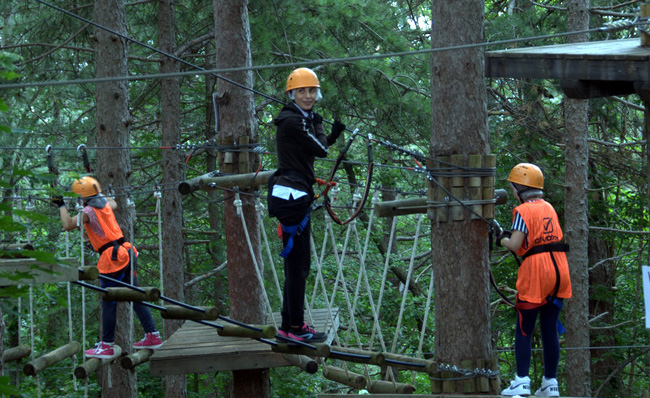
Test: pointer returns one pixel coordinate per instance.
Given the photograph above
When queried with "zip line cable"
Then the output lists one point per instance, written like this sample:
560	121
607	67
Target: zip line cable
215	72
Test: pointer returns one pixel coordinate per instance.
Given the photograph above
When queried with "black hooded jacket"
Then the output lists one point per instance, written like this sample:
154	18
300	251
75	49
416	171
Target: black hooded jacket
299	141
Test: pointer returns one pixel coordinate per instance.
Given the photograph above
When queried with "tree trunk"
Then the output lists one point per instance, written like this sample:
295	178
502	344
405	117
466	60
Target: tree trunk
459	126
172	163
237	124
114	165
215	216
576	224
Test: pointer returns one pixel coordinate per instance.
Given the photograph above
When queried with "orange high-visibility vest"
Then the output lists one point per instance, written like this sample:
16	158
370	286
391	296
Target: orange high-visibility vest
106	237
536	278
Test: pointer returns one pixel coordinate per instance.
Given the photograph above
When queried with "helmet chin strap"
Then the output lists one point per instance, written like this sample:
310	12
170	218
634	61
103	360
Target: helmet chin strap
519	192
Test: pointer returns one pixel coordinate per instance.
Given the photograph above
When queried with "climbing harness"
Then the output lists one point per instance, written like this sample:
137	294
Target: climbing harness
366	191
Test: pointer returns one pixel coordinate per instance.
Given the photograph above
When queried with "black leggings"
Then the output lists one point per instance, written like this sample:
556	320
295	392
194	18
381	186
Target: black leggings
549	314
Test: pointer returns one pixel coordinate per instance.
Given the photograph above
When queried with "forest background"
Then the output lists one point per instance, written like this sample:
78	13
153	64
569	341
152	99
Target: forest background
386	96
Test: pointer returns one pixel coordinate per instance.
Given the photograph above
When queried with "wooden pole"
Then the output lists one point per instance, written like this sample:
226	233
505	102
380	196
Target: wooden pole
421	205
34	367
128	294
92	364
236	180
179	312
188	186
135	359
645	13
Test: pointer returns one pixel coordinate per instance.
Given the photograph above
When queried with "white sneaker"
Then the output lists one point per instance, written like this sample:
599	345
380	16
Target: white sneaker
549	388
518	386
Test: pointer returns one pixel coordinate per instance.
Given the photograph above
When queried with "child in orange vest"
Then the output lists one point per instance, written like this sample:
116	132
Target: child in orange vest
115	259
542	280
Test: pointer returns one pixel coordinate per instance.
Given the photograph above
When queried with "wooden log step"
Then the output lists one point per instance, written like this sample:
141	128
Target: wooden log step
180	312
389	387
92	364
410	363
305	363
88	273
136	358
320	349
43	362
356	355
16	353
128	294
266	331
345	377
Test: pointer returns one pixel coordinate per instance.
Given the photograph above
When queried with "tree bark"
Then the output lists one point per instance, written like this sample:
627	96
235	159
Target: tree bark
459	126
114	165
172	163
237	124
577	224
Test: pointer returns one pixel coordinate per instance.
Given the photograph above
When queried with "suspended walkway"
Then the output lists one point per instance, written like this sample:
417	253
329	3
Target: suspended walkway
198	348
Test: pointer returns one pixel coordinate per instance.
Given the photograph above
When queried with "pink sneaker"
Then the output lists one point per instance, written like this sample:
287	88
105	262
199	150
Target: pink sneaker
102	350
151	341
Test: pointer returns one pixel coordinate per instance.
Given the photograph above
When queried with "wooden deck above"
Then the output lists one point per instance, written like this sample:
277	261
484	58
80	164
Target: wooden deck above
585	70
197	348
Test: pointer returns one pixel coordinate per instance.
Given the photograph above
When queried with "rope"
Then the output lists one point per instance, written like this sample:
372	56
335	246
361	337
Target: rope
259	208
364	274
238	206
130	205
426	317
376	326
408	281
31	333
82	262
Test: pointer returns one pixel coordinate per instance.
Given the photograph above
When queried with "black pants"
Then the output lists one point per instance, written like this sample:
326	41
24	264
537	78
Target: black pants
296	270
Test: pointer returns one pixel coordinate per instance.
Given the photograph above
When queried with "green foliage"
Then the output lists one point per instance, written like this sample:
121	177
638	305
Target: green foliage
386	97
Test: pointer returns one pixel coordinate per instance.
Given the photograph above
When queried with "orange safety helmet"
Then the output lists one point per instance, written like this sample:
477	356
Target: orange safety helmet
527	174
302	77
86	187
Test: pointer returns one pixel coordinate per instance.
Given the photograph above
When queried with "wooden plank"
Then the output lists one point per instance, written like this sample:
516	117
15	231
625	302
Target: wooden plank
613	61
198	348
26	271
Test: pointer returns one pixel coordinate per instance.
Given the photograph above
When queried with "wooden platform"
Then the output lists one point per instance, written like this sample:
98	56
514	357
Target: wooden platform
197	348
585	70
409	395
27	271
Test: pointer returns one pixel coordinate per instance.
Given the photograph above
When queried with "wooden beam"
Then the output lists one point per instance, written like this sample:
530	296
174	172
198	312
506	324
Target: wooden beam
586	89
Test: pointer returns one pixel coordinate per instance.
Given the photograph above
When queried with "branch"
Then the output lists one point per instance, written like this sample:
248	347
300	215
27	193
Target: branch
606	260
618	369
619	230
206	275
